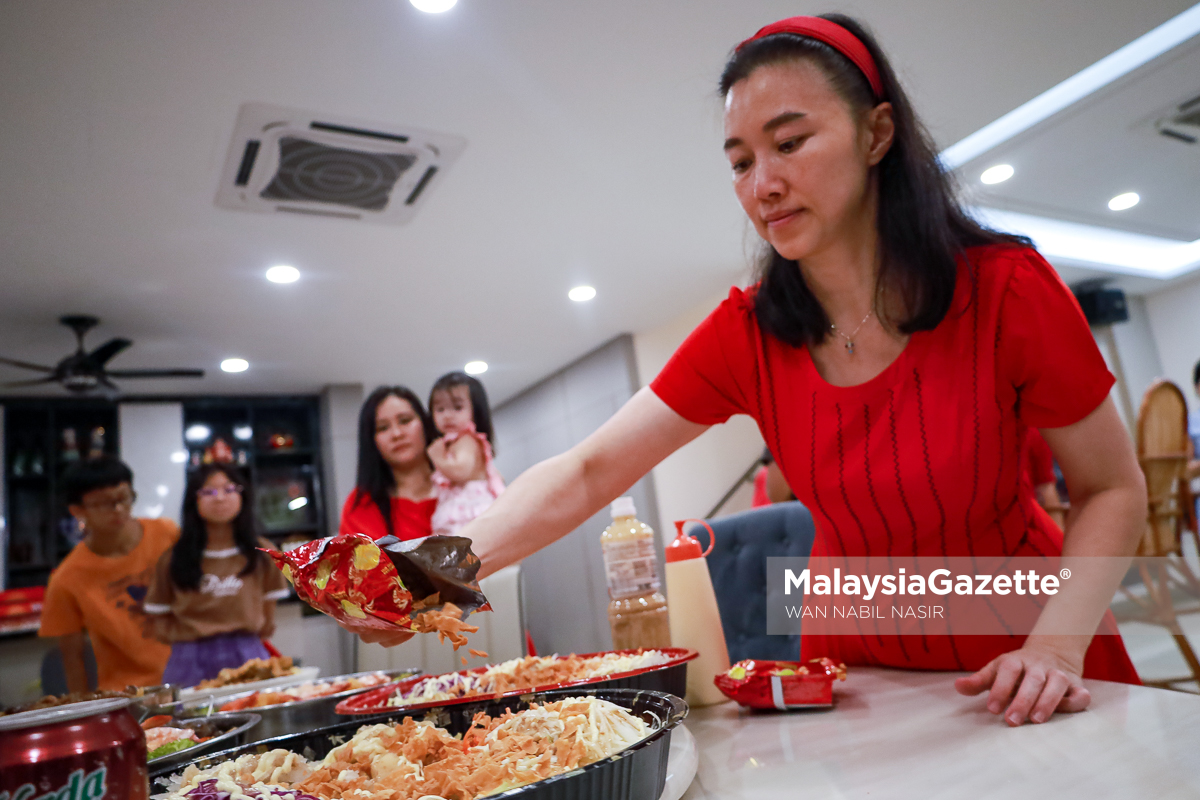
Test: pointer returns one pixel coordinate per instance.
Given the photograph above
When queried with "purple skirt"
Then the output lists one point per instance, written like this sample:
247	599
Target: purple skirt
201	659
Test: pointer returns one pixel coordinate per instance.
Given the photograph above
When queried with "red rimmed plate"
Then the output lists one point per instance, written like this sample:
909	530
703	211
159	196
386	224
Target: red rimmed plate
670	677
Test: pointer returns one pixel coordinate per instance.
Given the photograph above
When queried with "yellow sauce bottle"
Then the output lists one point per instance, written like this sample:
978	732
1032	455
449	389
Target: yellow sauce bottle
637	610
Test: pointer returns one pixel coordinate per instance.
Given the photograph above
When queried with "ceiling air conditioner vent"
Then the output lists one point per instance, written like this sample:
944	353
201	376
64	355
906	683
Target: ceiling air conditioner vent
1182	123
293	161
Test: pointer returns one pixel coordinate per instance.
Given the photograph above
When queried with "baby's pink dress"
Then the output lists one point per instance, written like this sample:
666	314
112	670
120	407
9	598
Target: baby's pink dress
458	505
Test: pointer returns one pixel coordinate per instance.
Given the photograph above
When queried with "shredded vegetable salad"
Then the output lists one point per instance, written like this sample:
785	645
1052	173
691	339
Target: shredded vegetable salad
306	691
525	673
416	760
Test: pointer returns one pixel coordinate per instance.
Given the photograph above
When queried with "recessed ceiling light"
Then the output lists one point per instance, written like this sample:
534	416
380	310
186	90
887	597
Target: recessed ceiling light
197	433
243	433
283	274
475	367
433	6
997	174
1124	201
581	294
235	365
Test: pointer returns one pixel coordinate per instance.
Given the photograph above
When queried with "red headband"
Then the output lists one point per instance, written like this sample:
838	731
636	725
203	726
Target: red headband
833	35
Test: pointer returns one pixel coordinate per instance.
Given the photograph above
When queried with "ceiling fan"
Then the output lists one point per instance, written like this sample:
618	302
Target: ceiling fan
82	371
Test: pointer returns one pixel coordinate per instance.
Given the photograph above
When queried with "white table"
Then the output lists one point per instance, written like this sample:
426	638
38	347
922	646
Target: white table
895	734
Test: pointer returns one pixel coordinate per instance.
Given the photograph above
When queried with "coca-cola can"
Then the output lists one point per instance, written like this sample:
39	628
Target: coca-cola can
83	751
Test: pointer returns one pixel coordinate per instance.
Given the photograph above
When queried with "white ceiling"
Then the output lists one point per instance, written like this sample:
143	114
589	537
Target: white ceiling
1068	166
593	157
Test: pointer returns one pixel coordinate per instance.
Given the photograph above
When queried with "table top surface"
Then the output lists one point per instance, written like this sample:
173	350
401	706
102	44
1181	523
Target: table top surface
897	734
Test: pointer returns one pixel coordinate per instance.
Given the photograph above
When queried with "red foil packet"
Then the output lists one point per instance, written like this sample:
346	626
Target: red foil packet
781	684
357	580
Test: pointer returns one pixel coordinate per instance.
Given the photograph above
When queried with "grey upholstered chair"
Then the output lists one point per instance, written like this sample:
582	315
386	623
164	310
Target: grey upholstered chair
737	565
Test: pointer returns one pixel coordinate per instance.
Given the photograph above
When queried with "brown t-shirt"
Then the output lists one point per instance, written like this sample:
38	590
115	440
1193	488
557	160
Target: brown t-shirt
225	602
103	595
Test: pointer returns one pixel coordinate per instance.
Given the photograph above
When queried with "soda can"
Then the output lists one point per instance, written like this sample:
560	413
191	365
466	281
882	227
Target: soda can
93	750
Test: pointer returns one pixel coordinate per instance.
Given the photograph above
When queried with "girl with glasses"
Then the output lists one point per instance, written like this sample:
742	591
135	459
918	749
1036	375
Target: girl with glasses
213	595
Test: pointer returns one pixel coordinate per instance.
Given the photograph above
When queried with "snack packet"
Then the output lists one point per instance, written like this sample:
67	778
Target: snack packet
389	583
781	684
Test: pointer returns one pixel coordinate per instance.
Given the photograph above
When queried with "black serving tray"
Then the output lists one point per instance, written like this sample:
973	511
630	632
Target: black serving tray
636	773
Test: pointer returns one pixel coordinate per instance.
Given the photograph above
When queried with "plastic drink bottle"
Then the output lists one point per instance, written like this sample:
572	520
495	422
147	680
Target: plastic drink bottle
696	622
637	610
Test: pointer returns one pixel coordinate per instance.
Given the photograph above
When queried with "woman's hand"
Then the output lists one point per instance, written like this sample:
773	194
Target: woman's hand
1030	684
375	636
437	452
460	460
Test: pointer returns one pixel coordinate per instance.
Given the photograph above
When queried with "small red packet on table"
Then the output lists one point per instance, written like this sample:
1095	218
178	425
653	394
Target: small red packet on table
388	584
781	684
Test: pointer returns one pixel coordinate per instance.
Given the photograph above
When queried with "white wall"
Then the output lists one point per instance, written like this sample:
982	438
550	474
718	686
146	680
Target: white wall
339	460
152	446
3	517
1174	316
690	482
1139	355
563	590
340	404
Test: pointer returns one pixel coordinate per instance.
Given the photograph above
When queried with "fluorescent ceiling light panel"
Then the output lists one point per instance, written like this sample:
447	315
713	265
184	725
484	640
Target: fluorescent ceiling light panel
1145	48
997	174
475	367
1101	248
1124	201
283	274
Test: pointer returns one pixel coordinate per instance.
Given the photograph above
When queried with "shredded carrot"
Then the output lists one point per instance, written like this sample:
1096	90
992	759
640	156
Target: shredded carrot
476	653
447	622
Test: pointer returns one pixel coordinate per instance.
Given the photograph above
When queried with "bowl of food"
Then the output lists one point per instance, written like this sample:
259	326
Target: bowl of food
602	744
294	706
663	669
171	741
257	673
781	685
144	699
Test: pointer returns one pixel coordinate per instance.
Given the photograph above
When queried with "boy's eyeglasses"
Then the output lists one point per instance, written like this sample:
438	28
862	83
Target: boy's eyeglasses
111	505
219	492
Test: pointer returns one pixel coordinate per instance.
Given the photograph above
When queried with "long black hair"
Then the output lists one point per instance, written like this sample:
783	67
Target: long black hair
481	411
188	554
375	480
922	228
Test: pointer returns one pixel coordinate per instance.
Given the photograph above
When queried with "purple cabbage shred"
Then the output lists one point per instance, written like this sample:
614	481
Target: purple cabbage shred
207	790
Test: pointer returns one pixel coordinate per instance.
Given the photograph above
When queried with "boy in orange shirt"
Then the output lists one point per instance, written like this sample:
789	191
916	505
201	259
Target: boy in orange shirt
99	587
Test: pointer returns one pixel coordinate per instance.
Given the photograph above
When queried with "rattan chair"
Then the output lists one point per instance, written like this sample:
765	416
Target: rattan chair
1162	447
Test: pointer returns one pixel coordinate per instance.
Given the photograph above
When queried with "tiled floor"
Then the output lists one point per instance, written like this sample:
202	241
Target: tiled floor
1152	648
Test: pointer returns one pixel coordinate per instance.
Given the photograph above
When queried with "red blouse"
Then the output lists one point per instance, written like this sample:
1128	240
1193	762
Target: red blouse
925	458
410	518
1037	461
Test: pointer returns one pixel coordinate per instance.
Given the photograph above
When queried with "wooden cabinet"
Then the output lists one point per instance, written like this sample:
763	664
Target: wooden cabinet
276	439
42	438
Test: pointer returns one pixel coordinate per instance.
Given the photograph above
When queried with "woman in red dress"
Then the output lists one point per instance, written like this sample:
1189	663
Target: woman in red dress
893	353
394	474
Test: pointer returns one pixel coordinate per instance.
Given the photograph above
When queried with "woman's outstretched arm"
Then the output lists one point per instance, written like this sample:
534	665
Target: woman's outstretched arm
551	499
1107	518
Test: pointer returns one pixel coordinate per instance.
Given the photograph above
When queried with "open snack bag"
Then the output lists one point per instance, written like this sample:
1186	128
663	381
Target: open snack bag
781	684
389	584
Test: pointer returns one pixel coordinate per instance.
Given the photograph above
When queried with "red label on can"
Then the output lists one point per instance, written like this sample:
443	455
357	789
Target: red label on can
67	754
80	786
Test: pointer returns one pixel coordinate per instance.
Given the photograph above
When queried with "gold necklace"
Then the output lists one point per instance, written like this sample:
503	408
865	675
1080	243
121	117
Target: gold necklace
850	339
